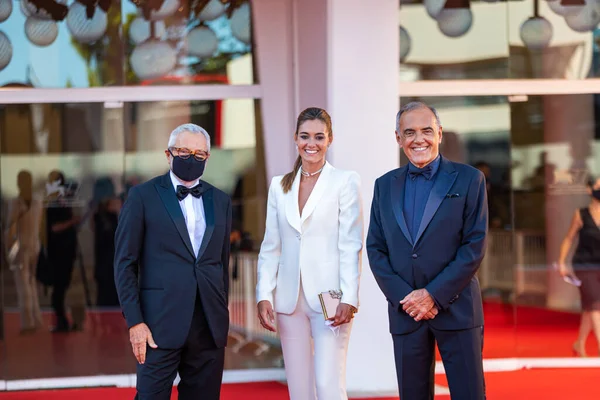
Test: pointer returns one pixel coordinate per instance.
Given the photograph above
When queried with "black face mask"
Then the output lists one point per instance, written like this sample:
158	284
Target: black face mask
596	194
188	170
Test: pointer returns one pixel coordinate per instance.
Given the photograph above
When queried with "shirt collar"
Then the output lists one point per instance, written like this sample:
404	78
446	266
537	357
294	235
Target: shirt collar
435	165
176	182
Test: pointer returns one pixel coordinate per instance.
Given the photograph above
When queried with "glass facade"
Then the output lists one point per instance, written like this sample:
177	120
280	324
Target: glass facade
65	171
522	39
124	42
537	152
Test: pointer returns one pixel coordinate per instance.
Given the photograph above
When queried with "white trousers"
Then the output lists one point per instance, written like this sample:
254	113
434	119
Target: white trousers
314	357
26	283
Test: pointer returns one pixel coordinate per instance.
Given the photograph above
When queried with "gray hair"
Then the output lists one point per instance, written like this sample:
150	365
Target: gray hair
414	105
191	128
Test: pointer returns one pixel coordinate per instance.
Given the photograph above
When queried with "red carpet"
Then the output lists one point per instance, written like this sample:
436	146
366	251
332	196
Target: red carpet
521	331
248	391
509	332
546	384
526	332
541	384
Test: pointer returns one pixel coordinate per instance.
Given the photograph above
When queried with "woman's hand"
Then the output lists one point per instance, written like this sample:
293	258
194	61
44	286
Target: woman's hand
343	315
266	316
565	270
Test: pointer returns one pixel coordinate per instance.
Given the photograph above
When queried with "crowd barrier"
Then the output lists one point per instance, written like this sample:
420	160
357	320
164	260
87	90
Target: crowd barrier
515	263
245	327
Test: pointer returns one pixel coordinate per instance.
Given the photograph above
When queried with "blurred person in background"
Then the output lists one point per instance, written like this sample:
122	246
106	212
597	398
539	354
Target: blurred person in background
22	238
496	197
104	226
585	264
105	208
61	246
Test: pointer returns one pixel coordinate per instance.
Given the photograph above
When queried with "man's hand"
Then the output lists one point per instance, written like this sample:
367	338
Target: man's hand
266	316
139	336
431	314
344	314
418	303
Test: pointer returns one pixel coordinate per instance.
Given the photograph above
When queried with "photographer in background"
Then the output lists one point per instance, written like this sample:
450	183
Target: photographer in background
61	246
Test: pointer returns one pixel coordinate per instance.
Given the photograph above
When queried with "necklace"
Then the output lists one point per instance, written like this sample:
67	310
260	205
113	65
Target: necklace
303	172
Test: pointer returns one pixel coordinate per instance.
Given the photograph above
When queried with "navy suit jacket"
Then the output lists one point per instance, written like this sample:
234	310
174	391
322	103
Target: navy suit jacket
157	274
446	254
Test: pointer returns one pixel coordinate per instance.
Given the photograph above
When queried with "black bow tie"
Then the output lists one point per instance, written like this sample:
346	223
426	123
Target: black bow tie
414	171
183	191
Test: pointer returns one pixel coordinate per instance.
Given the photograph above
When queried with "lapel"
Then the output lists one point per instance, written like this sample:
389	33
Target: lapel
209	214
443	182
292	211
316	194
292	208
397	194
167	194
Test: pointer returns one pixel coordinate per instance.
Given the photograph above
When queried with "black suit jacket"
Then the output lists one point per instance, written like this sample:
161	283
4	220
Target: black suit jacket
157	273
446	254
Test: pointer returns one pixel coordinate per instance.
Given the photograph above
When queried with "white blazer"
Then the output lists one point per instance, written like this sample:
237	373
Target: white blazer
322	247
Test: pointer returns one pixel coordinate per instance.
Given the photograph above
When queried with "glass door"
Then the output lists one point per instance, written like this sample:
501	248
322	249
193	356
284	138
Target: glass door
554	157
65	171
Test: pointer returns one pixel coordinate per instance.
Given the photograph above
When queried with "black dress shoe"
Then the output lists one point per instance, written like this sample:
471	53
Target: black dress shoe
60	328
77	327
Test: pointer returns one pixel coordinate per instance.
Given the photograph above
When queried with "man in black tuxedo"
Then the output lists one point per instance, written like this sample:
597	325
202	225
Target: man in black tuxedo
171	273
425	243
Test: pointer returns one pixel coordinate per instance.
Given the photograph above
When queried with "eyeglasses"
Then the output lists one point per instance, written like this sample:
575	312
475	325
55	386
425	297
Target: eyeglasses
184	153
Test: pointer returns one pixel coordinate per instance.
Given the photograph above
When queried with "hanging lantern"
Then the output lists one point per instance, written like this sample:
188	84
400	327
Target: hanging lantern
585	20
240	23
139	30
455	22
213	10
168	8
83	29
404	43
434	7
6	8
41	32
202	42
536	33
31	9
566	7
5	51
24	8
153	59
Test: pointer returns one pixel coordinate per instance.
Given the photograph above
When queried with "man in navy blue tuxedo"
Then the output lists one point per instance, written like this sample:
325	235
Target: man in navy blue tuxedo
171	274
425	243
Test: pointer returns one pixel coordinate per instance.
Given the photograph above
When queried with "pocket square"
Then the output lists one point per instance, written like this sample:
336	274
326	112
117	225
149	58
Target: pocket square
452	195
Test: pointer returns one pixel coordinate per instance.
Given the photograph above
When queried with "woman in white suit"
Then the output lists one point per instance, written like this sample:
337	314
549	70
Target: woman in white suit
312	244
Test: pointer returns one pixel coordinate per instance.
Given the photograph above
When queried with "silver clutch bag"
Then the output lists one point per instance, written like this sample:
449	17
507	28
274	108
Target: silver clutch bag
330	300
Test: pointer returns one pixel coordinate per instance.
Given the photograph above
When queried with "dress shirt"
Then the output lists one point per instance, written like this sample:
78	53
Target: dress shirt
416	194
193	212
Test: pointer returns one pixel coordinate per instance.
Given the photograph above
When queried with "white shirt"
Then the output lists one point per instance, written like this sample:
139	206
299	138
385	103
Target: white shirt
193	212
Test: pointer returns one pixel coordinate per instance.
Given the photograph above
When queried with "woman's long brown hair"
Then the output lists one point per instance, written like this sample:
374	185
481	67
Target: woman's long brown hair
310	114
